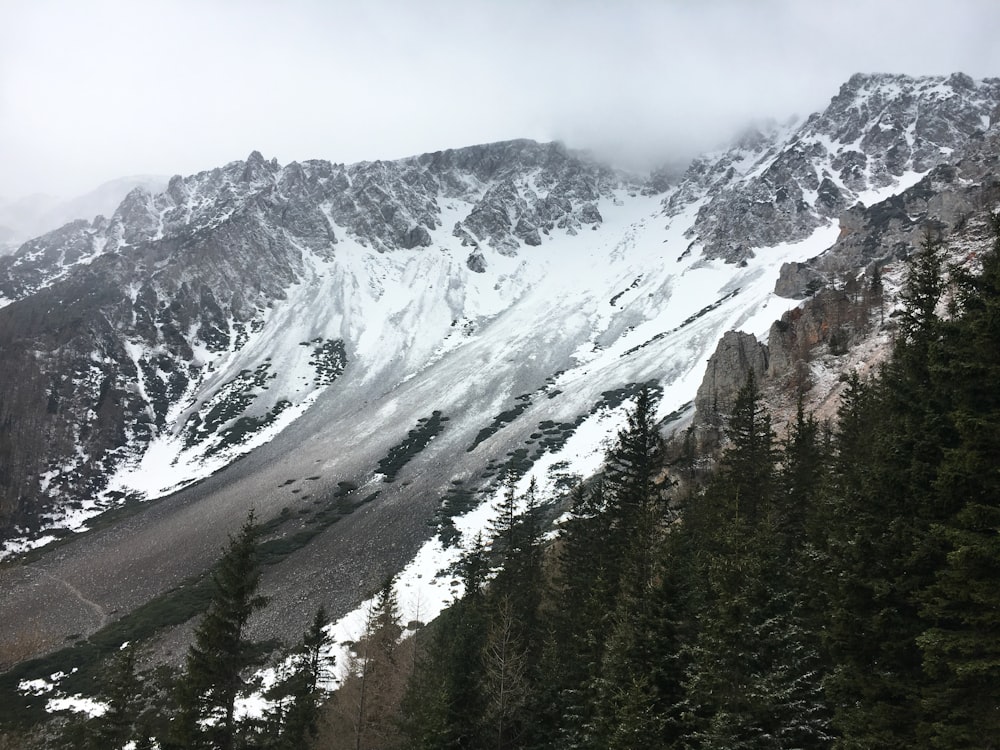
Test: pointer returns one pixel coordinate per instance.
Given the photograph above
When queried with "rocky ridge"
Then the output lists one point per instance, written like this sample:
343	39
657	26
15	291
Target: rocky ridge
101	306
779	182
850	292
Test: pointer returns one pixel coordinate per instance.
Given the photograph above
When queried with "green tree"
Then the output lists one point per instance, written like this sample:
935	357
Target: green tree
295	716
631	495
751	679
961	643
222	654
444	704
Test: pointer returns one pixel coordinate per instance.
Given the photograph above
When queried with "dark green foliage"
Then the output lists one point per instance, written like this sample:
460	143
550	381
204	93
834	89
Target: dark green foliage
294	720
121	691
415	441
245	427
328	358
961	645
221	654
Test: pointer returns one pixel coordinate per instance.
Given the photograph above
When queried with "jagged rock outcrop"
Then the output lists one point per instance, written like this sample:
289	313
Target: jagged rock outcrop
777	184
737	355
838	318
873	236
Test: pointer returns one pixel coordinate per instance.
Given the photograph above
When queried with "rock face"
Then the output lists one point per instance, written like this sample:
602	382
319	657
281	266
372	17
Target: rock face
737	355
778	183
872	237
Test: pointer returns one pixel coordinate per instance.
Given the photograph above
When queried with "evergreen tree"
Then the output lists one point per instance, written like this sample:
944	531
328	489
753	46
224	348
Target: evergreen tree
221	653
751	678
121	691
800	478
518	583
922	290
378	673
444	705
877	525
631	495
123	696
961	645
580	620
297	697
639	691
746	469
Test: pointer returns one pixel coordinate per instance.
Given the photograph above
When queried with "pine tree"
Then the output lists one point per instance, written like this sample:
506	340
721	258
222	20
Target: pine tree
380	681
297	697
221	653
118	723
122	693
444	705
961	644
581	616
518	583
751	678
630	492
639	691
746	468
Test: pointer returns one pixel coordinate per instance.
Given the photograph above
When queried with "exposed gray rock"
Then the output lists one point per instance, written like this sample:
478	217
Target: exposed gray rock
835	317
797	281
736	356
476	262
777	185
872	236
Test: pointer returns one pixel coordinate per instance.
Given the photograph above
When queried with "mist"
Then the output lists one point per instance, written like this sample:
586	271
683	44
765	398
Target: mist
96	91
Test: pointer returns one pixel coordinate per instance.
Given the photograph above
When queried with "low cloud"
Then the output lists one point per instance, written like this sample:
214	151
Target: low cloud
89	92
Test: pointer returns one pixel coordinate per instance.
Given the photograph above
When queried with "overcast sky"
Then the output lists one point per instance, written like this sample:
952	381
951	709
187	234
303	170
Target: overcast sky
97	89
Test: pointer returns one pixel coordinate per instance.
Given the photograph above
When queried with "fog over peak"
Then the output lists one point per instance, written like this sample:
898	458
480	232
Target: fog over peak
90	92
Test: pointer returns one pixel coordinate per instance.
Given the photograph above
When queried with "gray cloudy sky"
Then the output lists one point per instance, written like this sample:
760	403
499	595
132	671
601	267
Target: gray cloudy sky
94	90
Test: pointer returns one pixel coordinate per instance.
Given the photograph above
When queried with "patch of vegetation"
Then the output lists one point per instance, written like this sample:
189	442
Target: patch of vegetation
178	605
328	359
245	427
415	441
456	501
615	397
228	404
501	420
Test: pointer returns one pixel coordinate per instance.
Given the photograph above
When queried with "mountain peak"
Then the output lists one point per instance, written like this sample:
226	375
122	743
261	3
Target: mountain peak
257	167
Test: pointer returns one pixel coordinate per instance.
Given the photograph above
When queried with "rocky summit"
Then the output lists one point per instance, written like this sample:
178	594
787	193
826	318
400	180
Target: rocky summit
364	352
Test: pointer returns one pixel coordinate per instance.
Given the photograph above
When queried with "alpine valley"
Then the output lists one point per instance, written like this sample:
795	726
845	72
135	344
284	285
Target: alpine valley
364	353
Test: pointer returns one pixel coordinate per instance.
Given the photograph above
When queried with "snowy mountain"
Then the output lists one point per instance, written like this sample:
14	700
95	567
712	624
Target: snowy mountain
30	216
379	343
